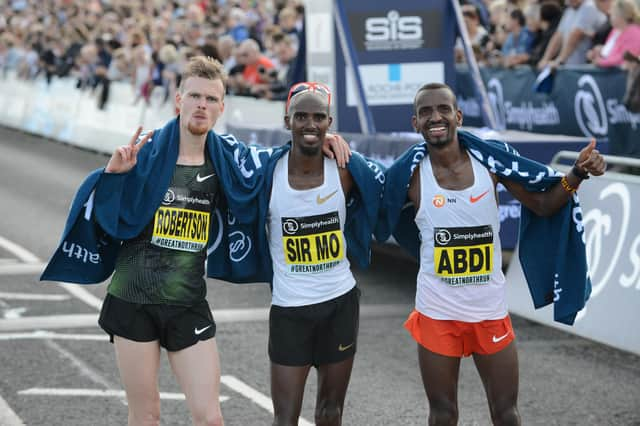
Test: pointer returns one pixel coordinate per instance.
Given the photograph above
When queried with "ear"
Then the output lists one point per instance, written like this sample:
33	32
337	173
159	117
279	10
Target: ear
459	117
178	100
414	123
287	124
330	121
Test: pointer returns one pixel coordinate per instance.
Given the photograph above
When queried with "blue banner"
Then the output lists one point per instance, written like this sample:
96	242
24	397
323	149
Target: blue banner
399	47
582	102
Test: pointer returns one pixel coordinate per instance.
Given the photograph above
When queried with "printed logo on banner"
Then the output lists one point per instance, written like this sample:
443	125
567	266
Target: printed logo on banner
608	233
496	98
525	115
393	84
394	30
589	107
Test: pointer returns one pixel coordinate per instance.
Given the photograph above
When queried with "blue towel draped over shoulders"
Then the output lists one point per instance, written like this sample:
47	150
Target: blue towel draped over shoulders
109	208
551	249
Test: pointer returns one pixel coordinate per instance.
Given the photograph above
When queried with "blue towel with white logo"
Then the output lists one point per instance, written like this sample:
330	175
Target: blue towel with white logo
552	249
363	205
109	208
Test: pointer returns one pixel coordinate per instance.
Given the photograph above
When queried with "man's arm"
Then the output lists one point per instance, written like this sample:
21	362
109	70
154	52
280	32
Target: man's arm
546	203
567	48
552	49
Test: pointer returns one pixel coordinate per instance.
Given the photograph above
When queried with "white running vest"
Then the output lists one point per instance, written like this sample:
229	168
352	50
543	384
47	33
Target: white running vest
460	276
306	239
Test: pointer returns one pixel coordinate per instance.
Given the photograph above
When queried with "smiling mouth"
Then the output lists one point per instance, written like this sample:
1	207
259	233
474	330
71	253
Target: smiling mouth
437	130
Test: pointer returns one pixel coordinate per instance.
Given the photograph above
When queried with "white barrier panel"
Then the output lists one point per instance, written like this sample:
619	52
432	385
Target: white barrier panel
612	315
62	112
254	113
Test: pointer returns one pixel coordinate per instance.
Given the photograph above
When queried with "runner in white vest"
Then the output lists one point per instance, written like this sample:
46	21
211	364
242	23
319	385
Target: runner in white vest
460	298
315	303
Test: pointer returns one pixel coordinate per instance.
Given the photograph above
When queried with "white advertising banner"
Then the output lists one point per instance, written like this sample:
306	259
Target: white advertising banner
394	84
612	231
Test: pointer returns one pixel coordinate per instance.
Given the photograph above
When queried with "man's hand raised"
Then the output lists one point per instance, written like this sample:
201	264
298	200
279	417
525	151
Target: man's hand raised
125	157
590	161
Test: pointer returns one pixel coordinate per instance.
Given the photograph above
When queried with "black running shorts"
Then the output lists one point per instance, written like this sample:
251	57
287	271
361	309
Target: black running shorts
175	327
316	334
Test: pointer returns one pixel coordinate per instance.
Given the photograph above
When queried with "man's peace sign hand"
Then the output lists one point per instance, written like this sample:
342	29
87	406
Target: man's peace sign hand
126	156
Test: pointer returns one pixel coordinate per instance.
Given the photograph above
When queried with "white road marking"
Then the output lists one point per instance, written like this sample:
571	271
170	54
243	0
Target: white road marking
221	316
110	393
78	291
33	265
254	395
30	296
14	313
82	366
41	334
21	268
7	416
49	322
19	252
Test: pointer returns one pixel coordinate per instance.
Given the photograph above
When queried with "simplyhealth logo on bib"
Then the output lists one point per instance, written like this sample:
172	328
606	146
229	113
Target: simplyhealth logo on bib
182	221
312	244
463	256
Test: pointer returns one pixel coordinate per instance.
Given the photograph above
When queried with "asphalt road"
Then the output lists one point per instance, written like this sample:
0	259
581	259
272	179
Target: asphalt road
57	368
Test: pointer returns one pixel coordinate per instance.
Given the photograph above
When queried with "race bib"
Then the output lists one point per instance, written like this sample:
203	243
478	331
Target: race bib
312	244
463	256
182	221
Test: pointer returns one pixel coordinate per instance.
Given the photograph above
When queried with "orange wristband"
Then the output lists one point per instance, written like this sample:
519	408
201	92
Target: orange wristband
566	186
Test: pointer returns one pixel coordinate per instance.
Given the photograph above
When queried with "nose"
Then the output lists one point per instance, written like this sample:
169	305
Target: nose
309	123
435	116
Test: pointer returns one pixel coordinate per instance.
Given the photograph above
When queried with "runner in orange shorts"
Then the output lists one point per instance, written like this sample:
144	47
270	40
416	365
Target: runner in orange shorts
461	305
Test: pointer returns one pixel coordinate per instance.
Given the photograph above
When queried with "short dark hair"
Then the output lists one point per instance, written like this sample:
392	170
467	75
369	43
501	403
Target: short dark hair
518	16
550	11
434	86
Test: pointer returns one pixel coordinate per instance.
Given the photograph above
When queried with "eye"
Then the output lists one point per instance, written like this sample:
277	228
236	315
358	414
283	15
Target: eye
425	112
212	99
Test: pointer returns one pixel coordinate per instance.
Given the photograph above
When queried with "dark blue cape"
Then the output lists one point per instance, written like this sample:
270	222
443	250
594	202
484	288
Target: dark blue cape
109	208
552	249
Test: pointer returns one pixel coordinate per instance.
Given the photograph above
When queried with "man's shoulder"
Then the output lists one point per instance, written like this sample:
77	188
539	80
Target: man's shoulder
588	10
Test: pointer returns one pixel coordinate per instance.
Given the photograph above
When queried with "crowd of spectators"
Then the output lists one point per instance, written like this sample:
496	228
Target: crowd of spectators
145	43
261	42
552	33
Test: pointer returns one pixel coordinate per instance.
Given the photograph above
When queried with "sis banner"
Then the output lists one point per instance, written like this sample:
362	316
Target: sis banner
398	46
